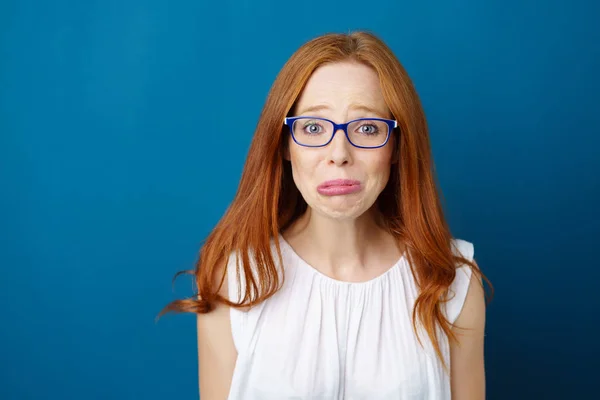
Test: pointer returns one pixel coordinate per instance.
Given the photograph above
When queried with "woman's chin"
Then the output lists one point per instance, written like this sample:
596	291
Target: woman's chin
342	209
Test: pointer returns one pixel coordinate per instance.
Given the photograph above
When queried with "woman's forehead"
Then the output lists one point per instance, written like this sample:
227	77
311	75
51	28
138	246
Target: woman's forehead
356	107
342	86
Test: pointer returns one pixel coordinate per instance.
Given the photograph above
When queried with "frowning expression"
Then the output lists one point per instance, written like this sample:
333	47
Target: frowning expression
340	180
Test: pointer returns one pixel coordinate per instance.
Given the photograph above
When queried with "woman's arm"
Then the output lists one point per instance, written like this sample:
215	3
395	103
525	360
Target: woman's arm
467	374
216	352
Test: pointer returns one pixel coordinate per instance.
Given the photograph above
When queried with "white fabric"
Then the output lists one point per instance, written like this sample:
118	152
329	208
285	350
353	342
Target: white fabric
320	338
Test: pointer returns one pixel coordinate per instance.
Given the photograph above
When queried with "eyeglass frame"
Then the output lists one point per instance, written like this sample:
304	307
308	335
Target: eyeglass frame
392	124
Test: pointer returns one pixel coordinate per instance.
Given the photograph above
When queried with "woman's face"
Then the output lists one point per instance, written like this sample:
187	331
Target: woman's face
341	92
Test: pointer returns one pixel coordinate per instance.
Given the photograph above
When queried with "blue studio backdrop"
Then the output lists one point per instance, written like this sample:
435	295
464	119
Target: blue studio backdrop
124	126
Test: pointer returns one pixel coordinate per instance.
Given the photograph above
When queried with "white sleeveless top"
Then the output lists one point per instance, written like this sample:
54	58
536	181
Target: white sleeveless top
320	338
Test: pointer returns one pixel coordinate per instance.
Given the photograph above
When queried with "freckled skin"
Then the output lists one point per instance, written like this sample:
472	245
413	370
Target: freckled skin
339	86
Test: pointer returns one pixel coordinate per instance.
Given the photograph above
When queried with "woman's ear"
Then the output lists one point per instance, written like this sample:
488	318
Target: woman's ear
396	150
286	144
286	151
395	156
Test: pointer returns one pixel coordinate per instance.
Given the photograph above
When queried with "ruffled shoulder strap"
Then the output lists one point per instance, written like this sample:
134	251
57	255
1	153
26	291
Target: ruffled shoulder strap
458	289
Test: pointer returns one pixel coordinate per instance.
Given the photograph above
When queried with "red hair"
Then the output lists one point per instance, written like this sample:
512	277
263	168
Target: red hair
410	203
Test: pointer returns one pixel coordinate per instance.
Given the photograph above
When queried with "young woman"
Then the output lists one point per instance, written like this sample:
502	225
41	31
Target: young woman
333	274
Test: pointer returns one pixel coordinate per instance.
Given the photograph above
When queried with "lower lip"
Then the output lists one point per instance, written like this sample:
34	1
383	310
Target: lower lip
338	190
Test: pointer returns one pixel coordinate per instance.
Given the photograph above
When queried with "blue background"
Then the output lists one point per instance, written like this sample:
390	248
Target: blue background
124	126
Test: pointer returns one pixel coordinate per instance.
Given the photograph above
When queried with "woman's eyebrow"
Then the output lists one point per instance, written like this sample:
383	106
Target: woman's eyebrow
354	106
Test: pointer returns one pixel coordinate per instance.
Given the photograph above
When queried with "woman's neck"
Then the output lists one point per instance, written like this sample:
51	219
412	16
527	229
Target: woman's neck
344	248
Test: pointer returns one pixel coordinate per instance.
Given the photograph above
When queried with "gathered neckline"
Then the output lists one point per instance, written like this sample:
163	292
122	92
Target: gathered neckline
328	278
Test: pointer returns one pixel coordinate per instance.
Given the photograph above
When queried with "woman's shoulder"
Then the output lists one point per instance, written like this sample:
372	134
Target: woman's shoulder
460	285
245	265
461	247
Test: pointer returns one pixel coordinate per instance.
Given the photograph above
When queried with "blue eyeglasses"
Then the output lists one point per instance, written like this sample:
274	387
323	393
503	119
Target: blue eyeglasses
364	133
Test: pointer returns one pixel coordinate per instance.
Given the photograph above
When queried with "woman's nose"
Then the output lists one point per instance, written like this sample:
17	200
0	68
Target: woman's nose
340	148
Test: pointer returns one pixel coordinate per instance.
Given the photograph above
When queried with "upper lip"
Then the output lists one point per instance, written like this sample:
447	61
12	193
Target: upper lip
339	182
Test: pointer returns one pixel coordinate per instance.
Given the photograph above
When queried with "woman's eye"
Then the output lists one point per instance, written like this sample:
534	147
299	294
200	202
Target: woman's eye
368	129
312	128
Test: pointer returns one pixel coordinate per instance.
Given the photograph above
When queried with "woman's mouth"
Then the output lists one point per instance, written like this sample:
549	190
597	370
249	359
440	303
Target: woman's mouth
337	187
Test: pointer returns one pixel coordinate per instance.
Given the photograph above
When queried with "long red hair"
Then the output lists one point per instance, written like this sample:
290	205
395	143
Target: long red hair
267	200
